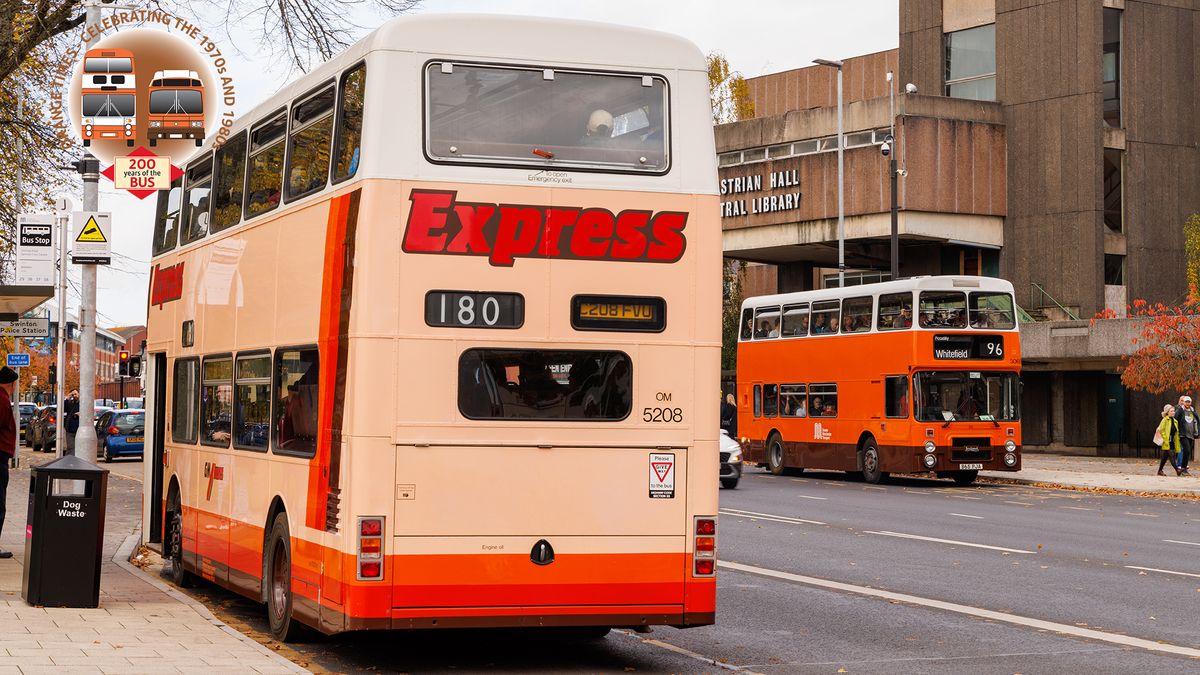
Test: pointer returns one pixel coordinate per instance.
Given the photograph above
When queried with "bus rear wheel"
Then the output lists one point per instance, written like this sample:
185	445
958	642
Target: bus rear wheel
871	471
775	455
179	575
279	583
964	477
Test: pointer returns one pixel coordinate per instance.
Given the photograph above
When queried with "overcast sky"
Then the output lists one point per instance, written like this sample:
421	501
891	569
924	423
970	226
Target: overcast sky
756	36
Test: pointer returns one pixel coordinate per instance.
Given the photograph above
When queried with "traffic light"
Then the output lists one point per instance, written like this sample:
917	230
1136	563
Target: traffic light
53	374
123	357
135	366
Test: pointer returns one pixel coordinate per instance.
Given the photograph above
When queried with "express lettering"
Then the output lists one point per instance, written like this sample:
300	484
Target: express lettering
438	223
167	285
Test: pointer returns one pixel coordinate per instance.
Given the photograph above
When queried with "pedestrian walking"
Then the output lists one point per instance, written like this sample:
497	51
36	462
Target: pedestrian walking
729	415
1167	437
70	421
8	439
1189	430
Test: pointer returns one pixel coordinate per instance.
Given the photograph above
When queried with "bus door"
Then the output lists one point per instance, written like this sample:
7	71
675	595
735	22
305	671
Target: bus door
157	408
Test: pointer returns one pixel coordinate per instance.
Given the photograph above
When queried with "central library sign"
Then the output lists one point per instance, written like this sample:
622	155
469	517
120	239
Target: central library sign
763	190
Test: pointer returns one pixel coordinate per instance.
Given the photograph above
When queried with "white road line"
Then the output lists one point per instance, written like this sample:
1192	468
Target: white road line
947	541
1176	541
685	652
1020	503
812	497
966	497
768	516
1005	617
1077	508
1152	569
1144	515
963	515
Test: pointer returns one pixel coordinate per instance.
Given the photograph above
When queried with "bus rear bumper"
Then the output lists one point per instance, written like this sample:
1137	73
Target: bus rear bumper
533	617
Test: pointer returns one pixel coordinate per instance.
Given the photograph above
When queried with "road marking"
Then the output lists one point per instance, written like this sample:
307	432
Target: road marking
1176	541
963	515
1152	569
1028	622
873	487
1020	503
1077	508
947	541
811	497
966	497
1144	515
686	652
767	516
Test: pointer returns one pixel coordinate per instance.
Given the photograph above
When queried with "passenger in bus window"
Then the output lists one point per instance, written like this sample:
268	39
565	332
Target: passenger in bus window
850	325
599	128
904	319
800	410
833	325
773	331
818	326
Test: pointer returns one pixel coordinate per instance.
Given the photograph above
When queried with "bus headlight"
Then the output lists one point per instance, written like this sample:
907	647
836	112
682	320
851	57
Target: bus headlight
87	130
930	461
930	446
1010	446
155	123
1010	459
197	124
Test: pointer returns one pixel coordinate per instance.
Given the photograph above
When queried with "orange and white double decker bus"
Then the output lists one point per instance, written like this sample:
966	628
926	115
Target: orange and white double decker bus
176	106
432	340
912	376
109	96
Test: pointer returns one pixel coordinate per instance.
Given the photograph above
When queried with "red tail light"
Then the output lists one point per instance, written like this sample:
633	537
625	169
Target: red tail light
113	431
370	548
704	546
50	419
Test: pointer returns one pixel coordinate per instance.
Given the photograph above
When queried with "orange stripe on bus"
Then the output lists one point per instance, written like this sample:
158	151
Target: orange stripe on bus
327	337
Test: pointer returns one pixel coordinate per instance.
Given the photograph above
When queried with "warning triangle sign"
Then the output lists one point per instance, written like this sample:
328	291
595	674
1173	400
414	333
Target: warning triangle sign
91	233
661	469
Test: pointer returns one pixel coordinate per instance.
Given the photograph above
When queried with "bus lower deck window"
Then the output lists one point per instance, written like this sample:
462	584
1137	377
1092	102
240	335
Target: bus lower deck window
541	384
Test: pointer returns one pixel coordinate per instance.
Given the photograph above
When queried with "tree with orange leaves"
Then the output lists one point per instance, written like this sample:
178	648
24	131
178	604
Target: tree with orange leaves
1166	354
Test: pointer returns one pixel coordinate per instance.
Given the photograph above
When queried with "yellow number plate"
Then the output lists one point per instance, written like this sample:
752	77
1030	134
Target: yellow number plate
617	310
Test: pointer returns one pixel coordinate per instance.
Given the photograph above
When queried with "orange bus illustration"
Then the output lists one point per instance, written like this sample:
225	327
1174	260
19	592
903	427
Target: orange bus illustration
918	375
431	340
109	96
176	106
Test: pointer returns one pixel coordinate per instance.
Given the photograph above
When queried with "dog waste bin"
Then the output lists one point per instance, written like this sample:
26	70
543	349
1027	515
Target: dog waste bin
64	535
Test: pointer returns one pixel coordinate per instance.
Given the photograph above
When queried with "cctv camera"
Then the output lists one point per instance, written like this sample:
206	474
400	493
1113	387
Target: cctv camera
886	149
901	172
910	88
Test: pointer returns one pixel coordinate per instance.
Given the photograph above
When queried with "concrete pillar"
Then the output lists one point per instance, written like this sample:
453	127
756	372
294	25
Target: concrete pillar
1057	408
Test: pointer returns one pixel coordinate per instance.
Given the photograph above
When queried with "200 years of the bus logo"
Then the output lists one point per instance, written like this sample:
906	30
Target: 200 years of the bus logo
439	223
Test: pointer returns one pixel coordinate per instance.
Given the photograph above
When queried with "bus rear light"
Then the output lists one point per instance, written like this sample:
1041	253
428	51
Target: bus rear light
706	526
370	548
705	567
706	547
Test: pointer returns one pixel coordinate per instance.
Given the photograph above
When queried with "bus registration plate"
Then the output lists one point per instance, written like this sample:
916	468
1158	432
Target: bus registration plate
970	467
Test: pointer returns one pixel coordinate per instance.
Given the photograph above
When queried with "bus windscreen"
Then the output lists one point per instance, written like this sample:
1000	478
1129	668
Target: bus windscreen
108	65
176	102
108	105
961	396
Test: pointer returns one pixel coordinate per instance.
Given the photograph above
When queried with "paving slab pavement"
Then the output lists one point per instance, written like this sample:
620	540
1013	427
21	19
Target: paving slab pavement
1137	475
142	624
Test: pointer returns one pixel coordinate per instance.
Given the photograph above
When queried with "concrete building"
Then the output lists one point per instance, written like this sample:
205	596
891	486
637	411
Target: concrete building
1051	142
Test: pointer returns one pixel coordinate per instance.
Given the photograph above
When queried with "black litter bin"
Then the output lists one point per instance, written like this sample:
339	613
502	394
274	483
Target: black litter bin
64	537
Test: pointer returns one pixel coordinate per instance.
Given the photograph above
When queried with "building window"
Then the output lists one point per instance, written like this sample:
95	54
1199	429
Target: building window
857	278
971	63
1114	211
1114	270
1112	67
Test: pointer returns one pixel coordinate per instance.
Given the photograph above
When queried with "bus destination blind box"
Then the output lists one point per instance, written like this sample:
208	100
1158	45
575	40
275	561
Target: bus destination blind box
968	347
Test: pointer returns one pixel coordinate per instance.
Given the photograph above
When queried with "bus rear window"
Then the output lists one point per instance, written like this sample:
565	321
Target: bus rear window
539	384
546	118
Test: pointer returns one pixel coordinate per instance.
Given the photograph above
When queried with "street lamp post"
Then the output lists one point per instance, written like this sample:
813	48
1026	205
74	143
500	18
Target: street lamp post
892	175
841	174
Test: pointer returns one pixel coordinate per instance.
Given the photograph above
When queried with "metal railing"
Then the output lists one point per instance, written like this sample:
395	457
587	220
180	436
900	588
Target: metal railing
1024	316
1038	296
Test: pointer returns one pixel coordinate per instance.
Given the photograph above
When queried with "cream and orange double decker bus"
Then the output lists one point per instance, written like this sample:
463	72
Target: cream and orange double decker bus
108	95
431	337
912	376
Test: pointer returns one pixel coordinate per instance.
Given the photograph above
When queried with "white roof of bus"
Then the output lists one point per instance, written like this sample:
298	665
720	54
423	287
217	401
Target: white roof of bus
502	38
946	283
190	74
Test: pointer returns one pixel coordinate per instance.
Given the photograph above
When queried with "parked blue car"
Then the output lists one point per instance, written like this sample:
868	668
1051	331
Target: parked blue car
121	433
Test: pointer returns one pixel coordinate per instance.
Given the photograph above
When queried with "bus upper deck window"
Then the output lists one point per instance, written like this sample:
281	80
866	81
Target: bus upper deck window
795	320
195	200
348	140
747	323
547	118
766	323
825	316
166	219
229	183
943	309
895	311
266	165
992	311
856	315
309	143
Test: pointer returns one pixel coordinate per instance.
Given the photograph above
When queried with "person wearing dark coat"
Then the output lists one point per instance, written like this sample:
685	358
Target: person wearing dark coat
8	438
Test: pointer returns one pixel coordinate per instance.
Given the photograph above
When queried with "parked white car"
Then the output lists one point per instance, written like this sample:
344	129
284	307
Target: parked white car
731	461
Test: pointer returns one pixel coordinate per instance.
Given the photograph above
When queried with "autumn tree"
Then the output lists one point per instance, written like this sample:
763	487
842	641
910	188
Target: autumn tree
728	92
732	274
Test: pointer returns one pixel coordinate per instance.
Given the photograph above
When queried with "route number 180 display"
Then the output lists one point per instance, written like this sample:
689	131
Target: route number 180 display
465	309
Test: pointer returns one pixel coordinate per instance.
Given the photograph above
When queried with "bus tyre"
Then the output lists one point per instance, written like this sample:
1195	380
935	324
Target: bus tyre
870	462
279	583
775	455
180	576
964	477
